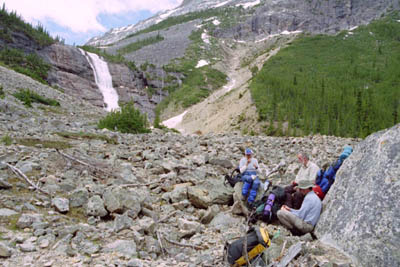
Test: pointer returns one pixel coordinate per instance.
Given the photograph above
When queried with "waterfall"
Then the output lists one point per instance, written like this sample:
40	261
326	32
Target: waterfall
103	80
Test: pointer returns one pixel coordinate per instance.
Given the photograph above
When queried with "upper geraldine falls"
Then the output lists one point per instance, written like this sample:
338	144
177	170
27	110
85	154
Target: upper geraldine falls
103	80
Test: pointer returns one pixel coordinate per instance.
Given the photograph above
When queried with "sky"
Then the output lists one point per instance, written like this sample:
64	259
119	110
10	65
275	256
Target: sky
77	21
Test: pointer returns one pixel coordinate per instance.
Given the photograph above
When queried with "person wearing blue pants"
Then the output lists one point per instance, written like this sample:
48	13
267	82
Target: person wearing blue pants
248	168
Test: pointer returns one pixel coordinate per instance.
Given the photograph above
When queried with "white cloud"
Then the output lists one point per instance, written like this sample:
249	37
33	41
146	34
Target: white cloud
81	15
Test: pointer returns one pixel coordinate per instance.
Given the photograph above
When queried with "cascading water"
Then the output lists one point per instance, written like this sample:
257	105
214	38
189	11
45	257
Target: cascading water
103	80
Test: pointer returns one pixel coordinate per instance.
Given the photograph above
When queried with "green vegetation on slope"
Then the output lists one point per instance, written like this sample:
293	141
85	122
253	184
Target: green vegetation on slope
198	82
29	64
132	47
127	120
28	97
10	21
344	85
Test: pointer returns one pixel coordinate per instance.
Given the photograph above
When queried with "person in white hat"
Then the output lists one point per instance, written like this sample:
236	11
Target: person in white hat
303	220
248	167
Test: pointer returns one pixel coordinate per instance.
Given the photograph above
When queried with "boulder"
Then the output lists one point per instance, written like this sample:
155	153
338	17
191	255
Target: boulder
61	204
5	251
124	247
78	198
211	192
361	214
95	207
26	220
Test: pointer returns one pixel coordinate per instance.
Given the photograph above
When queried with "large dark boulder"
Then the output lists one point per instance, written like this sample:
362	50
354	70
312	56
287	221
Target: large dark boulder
361	211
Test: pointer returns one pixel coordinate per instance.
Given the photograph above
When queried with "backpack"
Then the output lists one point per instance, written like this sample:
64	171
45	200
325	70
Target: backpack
233	179
257	241
268	206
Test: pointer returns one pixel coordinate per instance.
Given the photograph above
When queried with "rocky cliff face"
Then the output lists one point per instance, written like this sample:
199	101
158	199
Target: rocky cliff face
361	214
265	17
314	16
71	71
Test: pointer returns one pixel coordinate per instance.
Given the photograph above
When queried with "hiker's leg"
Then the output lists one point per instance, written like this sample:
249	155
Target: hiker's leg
297	200
253	190
286	218
247	182
302	227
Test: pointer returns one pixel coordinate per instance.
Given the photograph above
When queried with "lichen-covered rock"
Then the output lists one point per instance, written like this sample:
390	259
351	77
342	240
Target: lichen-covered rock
210	192
361	214
61	204
95	207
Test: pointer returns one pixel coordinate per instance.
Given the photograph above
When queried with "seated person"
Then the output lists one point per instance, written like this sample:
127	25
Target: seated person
326	176
308	171
248	168
303	220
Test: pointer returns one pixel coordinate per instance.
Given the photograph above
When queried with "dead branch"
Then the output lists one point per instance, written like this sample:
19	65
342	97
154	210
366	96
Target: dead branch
159	242
90	166
19	173
282	252
136	185
183	245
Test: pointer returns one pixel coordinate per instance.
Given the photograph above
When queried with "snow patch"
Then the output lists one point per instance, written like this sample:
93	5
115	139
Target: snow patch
249	4
222	4
205	37
174	121
216	22
398	20
353	28
287	32
241	42
202	63
167	14
275	35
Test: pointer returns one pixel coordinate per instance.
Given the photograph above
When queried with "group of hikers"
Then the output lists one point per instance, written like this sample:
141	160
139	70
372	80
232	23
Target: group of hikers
299	204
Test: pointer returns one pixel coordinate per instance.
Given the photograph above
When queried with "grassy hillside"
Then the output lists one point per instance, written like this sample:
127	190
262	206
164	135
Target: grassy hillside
345	85
11	21
17	59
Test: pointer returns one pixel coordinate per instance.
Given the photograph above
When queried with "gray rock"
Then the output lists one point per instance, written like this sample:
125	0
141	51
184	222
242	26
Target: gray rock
27	247
78	198
135	263
4	184
121	200
226	163
5	251
179	193
125	247
61	204
26	220
146	225
122	222
361	214
210	214
7	213
224	221
95	207
211	192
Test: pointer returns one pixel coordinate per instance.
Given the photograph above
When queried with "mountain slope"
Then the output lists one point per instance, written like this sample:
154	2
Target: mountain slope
345	85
